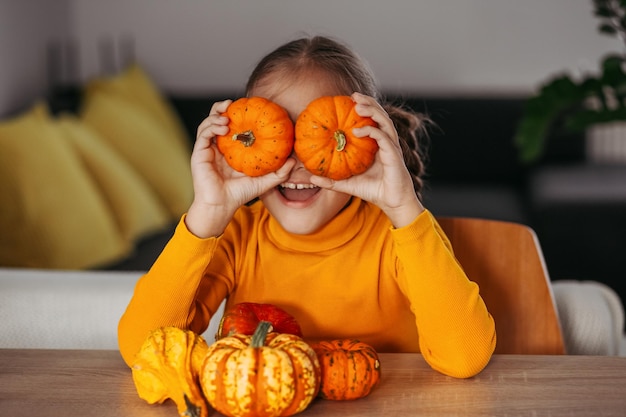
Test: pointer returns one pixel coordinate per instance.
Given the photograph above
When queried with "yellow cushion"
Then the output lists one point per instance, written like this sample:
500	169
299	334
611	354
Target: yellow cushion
134	204
51	213
144	144
135	86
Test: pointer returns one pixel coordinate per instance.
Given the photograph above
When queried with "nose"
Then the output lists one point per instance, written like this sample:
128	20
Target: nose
298	162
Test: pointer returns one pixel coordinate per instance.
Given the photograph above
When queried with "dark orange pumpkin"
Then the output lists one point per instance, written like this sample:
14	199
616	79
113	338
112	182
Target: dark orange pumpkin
350	368
260	137
324	140
243	318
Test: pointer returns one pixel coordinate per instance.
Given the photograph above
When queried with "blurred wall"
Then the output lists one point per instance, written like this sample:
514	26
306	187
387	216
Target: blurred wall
420	46
26	29
469	46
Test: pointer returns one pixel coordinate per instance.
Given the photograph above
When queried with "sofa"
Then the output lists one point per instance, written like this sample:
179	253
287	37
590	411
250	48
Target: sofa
66	309
69	309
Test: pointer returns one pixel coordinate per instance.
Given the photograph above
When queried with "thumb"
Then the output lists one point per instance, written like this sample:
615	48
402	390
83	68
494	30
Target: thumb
281	175
325	182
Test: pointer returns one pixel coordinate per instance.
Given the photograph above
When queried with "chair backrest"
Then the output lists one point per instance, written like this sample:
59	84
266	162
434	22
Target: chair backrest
506	261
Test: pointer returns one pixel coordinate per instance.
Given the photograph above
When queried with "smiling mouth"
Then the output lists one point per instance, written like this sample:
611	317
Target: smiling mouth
297	192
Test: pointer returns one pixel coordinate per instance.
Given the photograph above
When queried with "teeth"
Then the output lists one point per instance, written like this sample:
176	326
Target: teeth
293	186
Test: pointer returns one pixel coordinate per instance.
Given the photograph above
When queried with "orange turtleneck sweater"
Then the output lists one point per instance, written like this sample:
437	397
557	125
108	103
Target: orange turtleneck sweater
400	290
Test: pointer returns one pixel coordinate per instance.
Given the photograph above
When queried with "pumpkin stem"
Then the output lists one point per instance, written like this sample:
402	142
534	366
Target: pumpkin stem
258	338
340	137
192	410
246	138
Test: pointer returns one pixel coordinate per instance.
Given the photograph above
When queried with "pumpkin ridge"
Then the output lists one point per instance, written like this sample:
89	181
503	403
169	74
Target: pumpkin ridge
357	161
300	353
362	151
276	389
343	107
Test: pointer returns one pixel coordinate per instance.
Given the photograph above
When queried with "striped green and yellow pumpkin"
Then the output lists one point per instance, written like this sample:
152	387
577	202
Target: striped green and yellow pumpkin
266	374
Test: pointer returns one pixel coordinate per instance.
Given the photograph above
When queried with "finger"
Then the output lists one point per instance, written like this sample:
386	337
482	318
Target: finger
322	182
286	168
375	111
215	115
387	141
360	98
366	106
220	107
281	174
346	186
206	135
214	118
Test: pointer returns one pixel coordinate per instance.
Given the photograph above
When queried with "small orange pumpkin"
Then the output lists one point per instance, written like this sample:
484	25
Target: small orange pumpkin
260	137
263	375
168	366
350	368
324	140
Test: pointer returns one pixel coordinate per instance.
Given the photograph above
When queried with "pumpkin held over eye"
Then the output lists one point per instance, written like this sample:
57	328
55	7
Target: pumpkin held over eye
243	318
263	375
167	367
324	140
350	368
260	137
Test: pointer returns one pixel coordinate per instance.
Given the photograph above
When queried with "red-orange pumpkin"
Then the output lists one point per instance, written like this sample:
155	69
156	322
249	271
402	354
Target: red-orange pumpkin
350	368
260	137
324	140
243	318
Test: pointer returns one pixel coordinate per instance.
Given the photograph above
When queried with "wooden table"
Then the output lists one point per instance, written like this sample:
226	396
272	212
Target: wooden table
51	383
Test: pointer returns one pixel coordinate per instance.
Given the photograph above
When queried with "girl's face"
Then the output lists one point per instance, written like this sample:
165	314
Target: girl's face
299	206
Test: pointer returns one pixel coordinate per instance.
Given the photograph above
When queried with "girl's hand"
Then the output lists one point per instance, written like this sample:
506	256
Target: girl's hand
387	183
219	190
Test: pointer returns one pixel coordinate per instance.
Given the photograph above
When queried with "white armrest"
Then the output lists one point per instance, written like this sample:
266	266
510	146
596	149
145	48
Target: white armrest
591	315
52	309
62	309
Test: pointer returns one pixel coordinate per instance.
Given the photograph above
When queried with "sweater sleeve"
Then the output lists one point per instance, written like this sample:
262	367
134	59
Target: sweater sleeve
166	294
456	332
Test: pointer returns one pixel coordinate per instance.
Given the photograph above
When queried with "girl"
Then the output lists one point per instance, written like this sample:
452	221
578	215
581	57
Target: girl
359	258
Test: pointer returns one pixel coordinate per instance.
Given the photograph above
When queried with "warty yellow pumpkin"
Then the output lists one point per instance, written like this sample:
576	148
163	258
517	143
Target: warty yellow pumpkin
167	367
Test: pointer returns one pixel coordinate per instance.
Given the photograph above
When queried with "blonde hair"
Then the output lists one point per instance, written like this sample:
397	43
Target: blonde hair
350	74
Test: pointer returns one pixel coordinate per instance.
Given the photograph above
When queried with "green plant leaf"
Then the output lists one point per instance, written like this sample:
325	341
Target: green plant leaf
561	104
587	118
602	11
607	29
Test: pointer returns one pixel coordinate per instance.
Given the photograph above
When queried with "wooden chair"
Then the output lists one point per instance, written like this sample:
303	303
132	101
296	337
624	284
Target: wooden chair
506	261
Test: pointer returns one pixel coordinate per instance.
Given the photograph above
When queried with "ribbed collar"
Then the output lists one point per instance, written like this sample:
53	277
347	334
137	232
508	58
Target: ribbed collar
340	230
